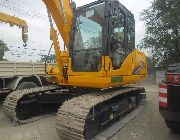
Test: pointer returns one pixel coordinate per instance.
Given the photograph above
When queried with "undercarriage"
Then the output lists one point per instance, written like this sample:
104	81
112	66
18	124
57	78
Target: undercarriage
80	116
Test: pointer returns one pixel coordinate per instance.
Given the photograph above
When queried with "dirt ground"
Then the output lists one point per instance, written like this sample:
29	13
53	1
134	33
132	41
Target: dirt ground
148	125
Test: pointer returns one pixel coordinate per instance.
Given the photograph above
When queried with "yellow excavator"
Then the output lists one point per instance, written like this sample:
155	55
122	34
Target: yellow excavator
93	73
12	20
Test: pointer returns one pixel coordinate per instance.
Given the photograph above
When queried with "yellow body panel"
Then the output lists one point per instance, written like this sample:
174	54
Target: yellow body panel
133	69
132	61
106	77
104	82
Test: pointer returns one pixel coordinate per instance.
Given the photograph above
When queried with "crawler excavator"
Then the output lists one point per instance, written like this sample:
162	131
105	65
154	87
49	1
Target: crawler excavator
93	73
12	20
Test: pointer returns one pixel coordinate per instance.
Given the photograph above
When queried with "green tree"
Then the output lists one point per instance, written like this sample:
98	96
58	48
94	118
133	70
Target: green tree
162	39
3	49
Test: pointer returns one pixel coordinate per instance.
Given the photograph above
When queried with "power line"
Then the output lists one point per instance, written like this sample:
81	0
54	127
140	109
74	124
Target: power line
22	7
23	11
39	44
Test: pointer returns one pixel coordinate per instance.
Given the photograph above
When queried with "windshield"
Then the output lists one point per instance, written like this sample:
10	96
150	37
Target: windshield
87	46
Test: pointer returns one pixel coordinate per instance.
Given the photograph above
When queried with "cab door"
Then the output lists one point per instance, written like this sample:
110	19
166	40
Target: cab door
117	51
122	41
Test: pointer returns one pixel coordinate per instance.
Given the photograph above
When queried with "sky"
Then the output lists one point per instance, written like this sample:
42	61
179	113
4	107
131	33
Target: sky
35	13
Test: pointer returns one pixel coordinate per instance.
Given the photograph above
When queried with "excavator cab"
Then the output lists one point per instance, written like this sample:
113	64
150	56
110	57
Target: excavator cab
103	28
101	46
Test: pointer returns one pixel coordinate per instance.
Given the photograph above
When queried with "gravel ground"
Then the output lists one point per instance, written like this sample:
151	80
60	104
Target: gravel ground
148	125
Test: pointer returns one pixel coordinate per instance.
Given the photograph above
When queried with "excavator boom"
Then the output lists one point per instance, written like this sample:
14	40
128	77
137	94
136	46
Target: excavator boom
62	13
12	20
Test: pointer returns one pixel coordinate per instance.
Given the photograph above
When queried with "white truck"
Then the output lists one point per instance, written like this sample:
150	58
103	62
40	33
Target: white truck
21	75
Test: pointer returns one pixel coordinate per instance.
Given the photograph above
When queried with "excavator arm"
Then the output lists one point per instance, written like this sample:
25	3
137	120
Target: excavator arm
18	22
62	13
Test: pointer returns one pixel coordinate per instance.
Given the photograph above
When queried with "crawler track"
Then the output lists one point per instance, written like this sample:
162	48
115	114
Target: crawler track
81	117
13	100
78	117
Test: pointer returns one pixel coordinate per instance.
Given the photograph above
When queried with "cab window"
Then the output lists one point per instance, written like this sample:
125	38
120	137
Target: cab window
117	41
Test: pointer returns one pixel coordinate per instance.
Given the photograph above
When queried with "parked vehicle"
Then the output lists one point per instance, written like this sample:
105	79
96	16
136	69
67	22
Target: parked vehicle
169	97
19	75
